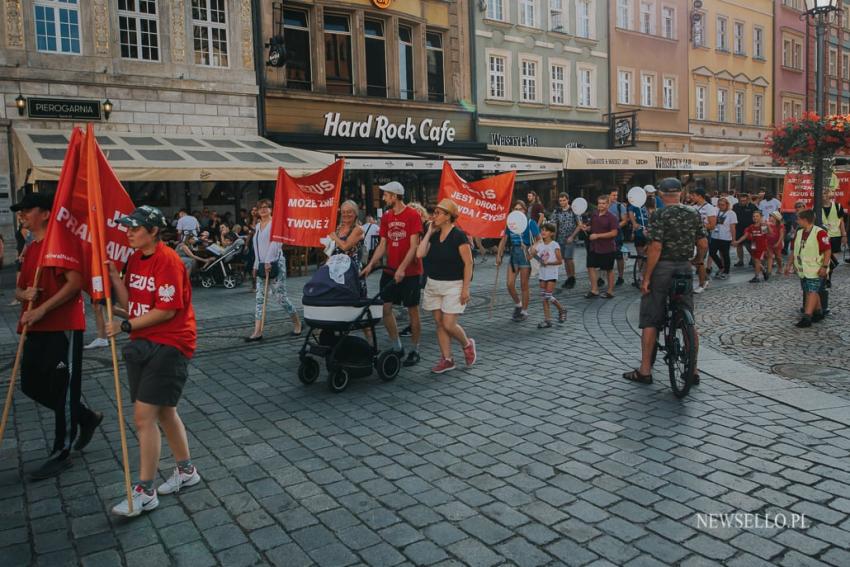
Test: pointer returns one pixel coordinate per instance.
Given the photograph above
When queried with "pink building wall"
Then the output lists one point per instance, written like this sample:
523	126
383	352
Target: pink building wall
787	81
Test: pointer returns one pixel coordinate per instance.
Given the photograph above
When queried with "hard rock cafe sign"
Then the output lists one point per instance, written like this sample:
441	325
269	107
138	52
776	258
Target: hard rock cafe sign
382	4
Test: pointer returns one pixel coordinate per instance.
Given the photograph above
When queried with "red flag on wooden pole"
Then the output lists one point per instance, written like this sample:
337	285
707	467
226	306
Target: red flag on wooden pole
305	208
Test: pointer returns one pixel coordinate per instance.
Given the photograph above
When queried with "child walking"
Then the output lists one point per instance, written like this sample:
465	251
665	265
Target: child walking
775	241
548	252
757	234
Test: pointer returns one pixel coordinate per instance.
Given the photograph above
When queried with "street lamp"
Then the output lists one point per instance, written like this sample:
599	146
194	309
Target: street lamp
21	104
819	10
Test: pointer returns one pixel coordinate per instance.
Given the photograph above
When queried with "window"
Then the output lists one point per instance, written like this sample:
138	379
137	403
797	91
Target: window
558	84
787	52
701	94
297	40
624	87
376	58
624	14
586	90
528	13
721	104
833	62
797	59
798	109
57	26
434	53
647	17
833	107
496	10
845	108
556	16
584	18
209	32
845	66
669	93
699	29
739	107
787	110
496	81
668	22
137	29
647	90
758	109
528	80
738	32
722	44
405	61
758	42
338	77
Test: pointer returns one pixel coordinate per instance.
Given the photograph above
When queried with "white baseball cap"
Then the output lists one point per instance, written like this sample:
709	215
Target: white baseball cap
649	189
393	187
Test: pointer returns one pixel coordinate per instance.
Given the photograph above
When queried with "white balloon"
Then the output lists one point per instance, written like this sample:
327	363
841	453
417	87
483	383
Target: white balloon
517	222
637	196
579	206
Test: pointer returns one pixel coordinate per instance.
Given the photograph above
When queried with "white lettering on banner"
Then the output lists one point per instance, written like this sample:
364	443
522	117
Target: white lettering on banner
297	203
308	223
381	128
72	225
118	252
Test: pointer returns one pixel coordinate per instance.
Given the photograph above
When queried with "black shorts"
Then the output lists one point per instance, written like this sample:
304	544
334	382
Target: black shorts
601	261
157	373
405	293
640	240
835	243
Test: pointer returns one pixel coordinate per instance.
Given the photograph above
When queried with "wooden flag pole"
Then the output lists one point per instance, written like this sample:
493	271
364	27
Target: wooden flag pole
16	366
495	285
121	426
265	302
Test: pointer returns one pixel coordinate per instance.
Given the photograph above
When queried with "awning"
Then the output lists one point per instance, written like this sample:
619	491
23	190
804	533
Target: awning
424	161
582	158
177	157
777	172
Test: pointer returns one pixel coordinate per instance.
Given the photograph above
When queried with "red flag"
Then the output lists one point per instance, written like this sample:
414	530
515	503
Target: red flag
305	208
87	184
798	187
483	204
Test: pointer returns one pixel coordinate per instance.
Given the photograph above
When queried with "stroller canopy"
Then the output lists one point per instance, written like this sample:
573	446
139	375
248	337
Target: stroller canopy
336	283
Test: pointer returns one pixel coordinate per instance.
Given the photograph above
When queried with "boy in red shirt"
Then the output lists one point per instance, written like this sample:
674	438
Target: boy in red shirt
51	365
161	324
757	233
401	229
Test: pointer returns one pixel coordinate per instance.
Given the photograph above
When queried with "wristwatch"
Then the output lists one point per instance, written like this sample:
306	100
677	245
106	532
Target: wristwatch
126	326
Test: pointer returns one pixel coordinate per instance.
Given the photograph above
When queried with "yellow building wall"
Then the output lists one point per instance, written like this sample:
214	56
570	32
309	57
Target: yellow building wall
751	13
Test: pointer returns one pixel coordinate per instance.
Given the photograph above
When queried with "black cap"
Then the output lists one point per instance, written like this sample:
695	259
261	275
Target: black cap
670	185
32	200
146	216
701	192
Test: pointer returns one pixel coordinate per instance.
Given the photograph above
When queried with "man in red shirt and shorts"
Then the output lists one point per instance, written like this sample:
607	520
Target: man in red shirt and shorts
52	361
757	233
158	298
401	229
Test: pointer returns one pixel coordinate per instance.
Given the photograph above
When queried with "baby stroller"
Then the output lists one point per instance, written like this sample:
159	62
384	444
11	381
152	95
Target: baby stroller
220	271
333	309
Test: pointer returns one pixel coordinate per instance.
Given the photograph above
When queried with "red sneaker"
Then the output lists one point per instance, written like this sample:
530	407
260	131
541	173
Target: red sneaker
469	352
443	366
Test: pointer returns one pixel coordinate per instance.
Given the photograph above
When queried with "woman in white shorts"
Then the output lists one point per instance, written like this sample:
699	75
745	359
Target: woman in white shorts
449	261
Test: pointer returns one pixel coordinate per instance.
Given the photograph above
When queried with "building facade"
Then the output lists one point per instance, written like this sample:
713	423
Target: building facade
836	81
731	77
160	67
789	45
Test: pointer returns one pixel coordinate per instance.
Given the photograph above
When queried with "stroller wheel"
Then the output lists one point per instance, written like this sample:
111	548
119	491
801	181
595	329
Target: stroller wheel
388	365
308	370
338	381
207	282
230	281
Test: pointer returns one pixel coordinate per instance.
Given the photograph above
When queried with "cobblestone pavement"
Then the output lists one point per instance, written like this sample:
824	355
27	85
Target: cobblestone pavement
540	454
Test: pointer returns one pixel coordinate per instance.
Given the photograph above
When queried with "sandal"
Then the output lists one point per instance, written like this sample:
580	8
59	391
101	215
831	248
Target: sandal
562	316
606	295
591	295
636	376
544	325
252	339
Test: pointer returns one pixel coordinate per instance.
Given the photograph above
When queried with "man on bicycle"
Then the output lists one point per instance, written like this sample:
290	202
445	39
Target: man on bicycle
674	230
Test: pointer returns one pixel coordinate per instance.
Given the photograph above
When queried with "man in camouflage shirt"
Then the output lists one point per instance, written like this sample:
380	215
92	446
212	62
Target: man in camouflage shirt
567	222
673	232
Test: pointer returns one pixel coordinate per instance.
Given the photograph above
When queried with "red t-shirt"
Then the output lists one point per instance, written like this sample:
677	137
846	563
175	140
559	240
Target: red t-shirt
160	281
397	229
69	316
823	240
758	234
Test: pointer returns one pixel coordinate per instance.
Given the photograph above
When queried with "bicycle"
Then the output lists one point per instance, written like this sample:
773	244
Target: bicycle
680	337
638	269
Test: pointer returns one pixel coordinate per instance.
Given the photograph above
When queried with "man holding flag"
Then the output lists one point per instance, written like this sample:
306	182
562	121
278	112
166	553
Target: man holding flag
51	363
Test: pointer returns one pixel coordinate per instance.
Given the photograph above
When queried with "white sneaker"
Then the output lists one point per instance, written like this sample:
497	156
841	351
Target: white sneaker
142	502
97	343
699	289
178	480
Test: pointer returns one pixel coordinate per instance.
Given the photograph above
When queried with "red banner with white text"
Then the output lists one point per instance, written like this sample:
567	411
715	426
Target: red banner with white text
88	190
484	204
798	187
305	208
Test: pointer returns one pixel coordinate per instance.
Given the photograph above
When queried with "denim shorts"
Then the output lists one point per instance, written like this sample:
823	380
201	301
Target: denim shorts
518	258
812	285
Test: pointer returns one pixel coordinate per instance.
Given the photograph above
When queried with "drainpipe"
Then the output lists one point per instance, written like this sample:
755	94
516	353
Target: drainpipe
473	69
259	66
610	107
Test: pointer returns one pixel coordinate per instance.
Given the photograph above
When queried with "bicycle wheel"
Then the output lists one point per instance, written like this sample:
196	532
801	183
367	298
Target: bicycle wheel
681	346
637	271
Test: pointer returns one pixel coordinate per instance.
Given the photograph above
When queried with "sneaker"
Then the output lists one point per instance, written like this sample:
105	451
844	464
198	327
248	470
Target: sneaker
570	283
804	323
699	289
87	431
766	276
517	313
620	281
544	325
53	466
469	353
97	343
412	358
406	332
738	264
818	317
444	365
178	480
721	276
522	317
142	502
755	280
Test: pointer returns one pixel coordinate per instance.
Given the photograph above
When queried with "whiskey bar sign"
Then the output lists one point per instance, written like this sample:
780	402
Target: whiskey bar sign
382	128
